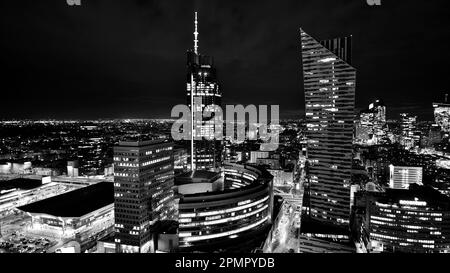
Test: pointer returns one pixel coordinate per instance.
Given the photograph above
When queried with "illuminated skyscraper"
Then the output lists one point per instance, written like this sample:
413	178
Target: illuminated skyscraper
371	126
442	115
400	177
409	135
143	181
329	85
202	86
379	120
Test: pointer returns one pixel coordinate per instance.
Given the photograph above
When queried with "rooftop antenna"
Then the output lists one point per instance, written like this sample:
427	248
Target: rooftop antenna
193	89
196	34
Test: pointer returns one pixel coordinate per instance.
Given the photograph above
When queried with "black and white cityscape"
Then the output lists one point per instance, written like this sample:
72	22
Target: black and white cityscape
161	126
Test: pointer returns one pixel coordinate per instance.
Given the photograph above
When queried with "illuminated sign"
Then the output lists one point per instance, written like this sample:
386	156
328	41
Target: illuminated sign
413	203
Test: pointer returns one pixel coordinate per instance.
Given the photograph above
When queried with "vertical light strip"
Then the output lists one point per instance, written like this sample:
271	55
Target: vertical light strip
196	34
192	121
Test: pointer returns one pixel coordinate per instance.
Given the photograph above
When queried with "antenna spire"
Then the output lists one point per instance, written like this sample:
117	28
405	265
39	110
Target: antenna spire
196	34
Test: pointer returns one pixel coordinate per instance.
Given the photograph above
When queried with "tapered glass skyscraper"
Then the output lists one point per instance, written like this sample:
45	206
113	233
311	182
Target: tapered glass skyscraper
329	86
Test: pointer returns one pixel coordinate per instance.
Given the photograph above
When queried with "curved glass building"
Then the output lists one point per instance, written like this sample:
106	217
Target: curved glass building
237	204
414	221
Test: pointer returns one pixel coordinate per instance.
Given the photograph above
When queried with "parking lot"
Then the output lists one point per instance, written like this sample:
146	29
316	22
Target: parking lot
20	243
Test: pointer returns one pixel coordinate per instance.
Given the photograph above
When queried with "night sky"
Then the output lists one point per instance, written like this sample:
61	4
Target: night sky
127	58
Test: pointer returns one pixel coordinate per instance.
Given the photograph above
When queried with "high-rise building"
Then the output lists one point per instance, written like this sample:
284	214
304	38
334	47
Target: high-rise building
413	220
371	126
202	87
254	155
442	116
400	177
409	136
181	160
143	194
431	137
364	128
72	168
329	86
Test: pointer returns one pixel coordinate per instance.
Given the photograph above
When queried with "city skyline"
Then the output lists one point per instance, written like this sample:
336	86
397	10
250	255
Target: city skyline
356	161
83	59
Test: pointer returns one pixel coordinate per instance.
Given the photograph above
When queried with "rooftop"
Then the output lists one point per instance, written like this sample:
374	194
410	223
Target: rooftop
200	174
425	193
165	227
19	183
312	226
140	142
75	203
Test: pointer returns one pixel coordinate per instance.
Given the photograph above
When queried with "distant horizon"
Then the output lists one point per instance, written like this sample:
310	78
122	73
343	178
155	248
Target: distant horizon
81	62
392	114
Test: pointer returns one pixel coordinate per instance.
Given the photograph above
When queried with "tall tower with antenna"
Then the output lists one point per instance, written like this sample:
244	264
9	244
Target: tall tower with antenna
196	34
202	86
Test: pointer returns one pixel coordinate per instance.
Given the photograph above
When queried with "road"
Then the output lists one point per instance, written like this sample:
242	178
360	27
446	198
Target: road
284	236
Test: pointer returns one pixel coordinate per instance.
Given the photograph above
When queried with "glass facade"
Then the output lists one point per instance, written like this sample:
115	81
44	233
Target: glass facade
202	81
414	220
371	126
329	86
143	181
409	135
244	206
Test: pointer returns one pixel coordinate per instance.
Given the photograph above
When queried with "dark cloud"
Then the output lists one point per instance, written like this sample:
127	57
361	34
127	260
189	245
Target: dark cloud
127	58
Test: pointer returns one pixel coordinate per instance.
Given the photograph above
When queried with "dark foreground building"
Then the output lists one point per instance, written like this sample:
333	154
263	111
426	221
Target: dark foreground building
414	220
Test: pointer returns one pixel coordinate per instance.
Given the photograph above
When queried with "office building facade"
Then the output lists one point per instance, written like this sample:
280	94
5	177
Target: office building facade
329	86
416	220
400	177
143	194
215	218
409	136
371	125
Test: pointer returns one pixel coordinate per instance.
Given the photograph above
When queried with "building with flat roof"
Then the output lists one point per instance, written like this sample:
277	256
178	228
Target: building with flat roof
106	244
143	195
75	203
82	214
414	220
400	177
7	186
